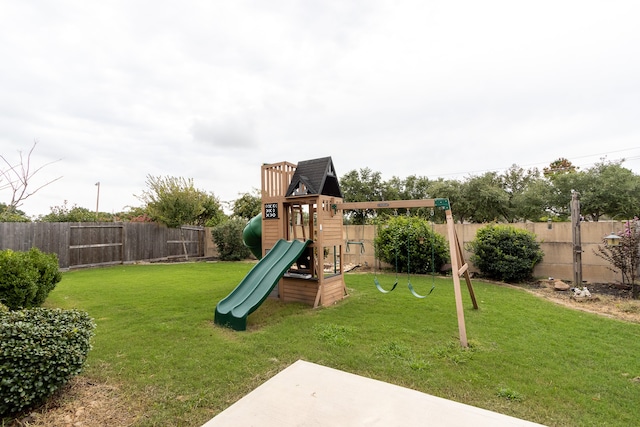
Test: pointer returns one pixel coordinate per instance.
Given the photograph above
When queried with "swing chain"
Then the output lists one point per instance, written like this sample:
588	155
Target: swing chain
375	246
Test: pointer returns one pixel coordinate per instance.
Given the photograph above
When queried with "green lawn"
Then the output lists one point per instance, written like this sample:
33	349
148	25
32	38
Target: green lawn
528	357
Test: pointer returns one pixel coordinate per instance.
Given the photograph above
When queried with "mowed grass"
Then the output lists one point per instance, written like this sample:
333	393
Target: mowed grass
528	357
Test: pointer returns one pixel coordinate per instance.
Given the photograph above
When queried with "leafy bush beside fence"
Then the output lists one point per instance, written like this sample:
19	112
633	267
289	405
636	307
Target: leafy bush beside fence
410	243
505	253
228	237
26	278
40	350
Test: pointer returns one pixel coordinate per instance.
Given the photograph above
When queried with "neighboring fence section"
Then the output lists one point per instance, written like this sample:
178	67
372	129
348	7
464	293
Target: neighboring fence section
85	244
555	241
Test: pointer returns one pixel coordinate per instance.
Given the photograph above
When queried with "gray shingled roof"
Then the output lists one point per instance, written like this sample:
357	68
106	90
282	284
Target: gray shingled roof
315	177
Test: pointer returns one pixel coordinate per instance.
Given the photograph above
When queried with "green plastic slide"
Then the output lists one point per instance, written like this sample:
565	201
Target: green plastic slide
252	235
233	310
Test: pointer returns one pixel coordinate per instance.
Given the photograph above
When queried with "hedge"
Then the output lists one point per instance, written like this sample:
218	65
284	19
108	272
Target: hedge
505	253
40	351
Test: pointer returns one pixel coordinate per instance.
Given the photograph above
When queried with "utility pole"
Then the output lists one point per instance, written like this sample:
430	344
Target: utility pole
97	199
576	238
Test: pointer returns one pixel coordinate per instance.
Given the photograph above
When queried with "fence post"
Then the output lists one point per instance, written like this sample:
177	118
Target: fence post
576	237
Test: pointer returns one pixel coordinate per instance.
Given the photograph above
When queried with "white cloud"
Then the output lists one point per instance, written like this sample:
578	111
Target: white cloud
211	90
229	132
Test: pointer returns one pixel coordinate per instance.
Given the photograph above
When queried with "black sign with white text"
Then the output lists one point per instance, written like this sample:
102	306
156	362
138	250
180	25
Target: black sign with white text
270	210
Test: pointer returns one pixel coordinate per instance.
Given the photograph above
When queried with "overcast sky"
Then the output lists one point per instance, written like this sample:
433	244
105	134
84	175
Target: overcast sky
211	90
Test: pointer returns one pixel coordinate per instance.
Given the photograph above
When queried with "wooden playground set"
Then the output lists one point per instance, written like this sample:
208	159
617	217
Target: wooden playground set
299	241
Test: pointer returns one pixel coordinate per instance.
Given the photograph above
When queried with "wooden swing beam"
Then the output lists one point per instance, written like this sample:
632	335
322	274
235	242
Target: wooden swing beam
459	266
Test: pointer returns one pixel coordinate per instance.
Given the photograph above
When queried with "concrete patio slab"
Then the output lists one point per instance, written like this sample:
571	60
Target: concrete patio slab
310	395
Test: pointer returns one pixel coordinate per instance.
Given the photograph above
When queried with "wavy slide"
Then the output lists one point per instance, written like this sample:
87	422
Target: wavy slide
233	310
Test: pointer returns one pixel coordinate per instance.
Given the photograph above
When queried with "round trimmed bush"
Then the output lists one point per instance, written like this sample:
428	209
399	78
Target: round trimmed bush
26	278
505	253
40	351
413	240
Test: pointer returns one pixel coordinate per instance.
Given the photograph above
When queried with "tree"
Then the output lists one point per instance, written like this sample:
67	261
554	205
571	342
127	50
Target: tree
517	194
563	178
362	186
133	214
174	201
248	205
64	213
485	193
16	177
411	188
12	215
523	188
609	189
561	188
559	166
533	203
450	189
625	256
606	189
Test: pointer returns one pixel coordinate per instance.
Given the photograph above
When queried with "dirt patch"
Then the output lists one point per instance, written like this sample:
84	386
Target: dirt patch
607	299
81	403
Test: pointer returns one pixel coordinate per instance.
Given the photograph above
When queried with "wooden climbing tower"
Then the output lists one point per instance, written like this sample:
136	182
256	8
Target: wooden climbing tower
296	204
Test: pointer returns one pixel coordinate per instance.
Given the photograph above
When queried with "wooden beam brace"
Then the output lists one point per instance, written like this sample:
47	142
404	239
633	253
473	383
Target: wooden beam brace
464	268
394	204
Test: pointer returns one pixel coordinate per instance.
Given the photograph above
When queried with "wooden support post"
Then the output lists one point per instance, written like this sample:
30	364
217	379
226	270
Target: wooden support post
455	268
464	270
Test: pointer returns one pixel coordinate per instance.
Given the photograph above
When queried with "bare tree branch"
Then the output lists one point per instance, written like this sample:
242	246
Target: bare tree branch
17	176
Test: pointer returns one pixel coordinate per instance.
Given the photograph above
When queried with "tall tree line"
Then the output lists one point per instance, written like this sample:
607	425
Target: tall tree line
607	190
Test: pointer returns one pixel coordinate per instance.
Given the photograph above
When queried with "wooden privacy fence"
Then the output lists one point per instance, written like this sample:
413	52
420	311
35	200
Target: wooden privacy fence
88	244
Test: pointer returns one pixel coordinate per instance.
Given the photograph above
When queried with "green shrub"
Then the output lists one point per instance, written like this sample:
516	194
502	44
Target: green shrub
26	278
413	240
505	253
48	273
228	237
18	279
40	350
